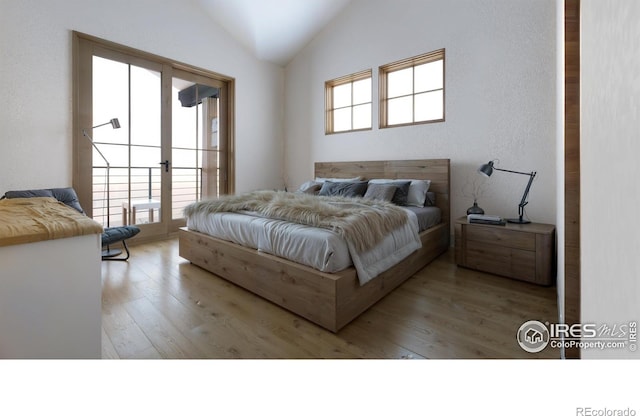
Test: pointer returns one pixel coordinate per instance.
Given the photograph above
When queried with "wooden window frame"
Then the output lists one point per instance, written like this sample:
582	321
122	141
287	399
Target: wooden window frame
328	88
385	70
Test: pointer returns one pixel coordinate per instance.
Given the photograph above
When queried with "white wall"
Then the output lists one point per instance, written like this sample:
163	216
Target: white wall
500	94
610	145
36	76
50	299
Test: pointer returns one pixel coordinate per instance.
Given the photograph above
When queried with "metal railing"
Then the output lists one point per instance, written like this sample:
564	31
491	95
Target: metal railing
141	183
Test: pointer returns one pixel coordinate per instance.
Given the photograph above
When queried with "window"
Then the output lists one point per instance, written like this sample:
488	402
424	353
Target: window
348	103
412	90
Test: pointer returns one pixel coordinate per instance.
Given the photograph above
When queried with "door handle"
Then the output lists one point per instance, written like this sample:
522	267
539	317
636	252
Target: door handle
166	164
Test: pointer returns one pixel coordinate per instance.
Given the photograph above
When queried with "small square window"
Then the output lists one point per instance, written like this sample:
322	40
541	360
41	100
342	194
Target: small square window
412	90
348	105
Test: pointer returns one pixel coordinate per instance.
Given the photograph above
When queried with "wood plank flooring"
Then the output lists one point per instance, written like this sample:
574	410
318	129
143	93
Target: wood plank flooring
158	305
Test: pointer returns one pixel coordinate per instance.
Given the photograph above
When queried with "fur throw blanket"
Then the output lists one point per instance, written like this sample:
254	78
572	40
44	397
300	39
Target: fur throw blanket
361	222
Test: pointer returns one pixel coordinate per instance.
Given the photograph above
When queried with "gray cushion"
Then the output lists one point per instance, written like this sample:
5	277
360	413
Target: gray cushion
115	234
67	196
380	191
430	199
417	190
34	193
347	189
402	193
401	197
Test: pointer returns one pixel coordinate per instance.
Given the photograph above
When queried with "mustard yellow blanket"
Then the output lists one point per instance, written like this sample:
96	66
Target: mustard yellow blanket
28	220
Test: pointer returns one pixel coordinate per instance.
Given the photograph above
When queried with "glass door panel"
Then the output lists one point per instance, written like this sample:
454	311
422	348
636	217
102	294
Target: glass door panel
141	113
127	189
195	144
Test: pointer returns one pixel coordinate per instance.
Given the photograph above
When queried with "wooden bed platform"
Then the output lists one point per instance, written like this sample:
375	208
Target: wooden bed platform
331	300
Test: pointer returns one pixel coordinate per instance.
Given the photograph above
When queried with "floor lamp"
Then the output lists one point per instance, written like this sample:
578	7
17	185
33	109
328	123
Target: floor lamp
116	125
487	170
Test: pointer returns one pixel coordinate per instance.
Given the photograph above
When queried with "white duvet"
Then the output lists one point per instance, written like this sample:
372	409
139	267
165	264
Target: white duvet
318	248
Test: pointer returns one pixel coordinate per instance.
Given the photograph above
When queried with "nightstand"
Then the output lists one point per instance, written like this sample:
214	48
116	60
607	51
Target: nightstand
519	251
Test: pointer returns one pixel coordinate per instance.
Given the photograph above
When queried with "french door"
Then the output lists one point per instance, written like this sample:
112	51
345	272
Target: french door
152	136
199	163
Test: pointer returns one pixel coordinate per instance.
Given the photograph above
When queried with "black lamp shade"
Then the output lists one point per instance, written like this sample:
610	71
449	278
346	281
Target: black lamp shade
486	169
115	123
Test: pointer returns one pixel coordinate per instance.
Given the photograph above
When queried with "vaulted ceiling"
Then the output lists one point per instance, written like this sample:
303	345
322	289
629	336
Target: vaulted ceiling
274	30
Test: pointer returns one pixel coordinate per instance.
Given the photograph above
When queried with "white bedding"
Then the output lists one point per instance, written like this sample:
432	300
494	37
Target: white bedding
314	247
318	248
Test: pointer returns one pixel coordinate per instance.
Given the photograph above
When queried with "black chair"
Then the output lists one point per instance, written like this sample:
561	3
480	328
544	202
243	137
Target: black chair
68	196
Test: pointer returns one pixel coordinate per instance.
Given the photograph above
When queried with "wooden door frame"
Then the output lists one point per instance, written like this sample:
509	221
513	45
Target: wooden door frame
83	46
572	168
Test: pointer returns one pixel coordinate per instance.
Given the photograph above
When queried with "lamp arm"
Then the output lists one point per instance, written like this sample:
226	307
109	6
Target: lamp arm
524	202
100	125
85	134
514	171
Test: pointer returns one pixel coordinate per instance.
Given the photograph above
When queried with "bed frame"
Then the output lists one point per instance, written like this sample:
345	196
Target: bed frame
331	300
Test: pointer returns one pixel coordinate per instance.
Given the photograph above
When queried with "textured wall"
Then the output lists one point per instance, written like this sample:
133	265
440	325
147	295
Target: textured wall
36	76
610	105
500	94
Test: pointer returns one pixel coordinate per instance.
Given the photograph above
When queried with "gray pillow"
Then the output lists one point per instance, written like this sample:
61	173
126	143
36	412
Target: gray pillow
348	189
402	193
33	193
417	190
380	192
65	195
430	199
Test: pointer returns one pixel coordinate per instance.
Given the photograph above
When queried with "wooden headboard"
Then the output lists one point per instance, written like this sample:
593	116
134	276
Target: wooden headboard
437	170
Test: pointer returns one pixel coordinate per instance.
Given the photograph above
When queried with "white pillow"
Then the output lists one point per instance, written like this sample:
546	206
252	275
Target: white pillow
417	189
309	187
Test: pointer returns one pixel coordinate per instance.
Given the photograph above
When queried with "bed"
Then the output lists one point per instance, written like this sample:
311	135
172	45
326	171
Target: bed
331	300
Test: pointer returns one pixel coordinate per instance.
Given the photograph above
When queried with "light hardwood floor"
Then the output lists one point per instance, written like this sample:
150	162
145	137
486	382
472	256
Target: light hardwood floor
158	305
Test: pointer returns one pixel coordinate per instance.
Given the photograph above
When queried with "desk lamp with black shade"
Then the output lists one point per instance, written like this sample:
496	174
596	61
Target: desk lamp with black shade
488	168
116	125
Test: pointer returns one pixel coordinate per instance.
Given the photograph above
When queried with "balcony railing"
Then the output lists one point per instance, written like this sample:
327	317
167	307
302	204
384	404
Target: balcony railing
142	183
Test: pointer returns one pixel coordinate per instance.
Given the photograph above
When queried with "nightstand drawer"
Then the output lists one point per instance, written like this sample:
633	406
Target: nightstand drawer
505	261
520	251
502	237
